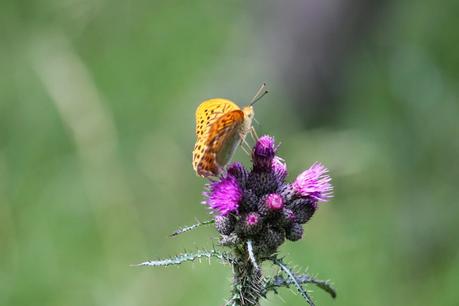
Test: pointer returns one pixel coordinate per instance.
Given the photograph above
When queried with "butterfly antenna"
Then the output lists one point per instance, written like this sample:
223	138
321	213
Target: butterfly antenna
260	94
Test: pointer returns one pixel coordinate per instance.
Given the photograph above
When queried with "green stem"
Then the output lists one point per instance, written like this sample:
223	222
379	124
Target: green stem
248	283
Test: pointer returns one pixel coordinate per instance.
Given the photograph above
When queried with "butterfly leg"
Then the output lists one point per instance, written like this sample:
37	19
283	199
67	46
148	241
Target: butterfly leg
245	150
253	133
244	142
244	145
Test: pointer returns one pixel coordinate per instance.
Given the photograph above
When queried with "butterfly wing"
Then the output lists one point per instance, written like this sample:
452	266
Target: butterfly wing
207	113
223	139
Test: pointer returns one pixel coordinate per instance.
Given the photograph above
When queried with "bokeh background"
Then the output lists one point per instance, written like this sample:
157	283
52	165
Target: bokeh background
97	103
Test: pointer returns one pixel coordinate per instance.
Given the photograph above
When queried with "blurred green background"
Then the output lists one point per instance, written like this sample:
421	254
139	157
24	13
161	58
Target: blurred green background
97	103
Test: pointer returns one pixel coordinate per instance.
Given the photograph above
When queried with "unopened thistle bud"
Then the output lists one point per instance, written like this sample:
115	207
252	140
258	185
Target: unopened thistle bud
287	192
238	171
270	240
249	201
263	154
225	224
249	224
295	232
303	208
287	218
262	182
230	240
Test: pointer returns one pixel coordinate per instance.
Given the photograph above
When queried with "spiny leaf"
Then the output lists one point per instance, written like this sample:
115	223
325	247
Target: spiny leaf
181	258
293	279
279	281
191	227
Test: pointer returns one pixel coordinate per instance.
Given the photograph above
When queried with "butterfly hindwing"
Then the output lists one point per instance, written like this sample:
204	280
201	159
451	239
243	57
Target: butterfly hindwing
207	114
224	137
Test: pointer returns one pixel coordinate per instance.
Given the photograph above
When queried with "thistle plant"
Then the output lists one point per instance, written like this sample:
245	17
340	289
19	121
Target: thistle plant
254	213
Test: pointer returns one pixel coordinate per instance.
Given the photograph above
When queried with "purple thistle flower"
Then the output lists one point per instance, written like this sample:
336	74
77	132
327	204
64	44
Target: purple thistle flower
314	183
263	153
274	201
224	196
252	219
270	205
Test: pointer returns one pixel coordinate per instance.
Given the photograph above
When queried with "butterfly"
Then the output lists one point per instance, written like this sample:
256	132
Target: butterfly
221	126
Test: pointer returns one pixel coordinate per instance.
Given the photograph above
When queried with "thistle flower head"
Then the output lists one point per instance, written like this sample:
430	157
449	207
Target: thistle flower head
314	183
224	196
259	205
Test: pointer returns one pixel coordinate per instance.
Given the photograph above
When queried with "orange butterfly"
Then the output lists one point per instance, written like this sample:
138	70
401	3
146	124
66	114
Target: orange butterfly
221	126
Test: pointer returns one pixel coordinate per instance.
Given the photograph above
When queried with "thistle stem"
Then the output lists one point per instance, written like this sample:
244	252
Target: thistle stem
251	254
248	282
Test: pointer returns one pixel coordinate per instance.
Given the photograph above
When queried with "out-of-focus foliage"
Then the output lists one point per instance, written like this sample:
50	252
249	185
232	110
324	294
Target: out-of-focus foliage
97	103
